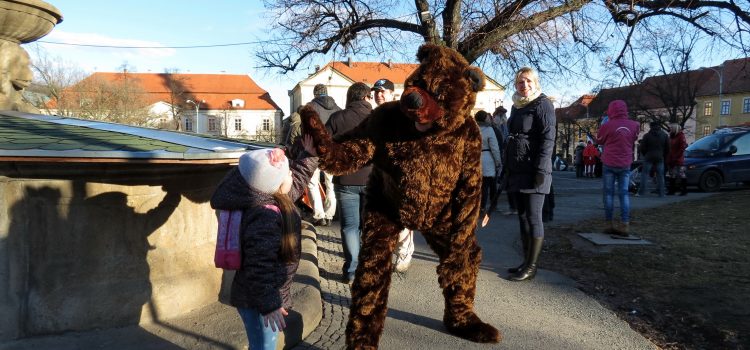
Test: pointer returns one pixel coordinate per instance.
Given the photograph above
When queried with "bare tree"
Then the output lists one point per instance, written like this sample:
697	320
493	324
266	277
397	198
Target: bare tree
266	134
120	100
178	94
52	75
668	96
553	35
566	129
225	116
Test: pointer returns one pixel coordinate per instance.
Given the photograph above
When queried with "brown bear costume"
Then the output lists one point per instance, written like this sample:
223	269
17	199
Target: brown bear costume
427	180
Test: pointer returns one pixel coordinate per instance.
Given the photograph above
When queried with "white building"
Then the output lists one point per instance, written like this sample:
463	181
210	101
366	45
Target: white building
339	75
215	104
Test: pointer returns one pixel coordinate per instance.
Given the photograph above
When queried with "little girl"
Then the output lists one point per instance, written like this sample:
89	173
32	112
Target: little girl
264	186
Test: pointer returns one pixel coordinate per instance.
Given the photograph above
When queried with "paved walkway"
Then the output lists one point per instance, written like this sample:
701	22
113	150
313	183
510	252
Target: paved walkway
549	312
330	332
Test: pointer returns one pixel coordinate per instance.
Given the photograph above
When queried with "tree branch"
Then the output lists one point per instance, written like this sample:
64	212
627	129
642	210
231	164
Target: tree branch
428	30
687	5
504	25
451	22
343	36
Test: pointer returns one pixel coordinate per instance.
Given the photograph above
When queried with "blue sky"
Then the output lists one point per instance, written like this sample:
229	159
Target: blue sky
168	23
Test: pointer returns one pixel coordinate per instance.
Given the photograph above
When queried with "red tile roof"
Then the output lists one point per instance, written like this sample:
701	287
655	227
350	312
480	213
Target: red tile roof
217	90
370	72
575	110
736	76
655	92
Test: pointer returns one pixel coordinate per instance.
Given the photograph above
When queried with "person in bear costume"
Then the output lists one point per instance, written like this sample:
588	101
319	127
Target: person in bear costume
425	150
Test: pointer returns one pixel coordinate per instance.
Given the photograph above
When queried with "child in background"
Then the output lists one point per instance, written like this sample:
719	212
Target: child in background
264	186
590	154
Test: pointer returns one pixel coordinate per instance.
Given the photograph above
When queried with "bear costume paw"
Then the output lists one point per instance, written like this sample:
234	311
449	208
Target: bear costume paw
472	328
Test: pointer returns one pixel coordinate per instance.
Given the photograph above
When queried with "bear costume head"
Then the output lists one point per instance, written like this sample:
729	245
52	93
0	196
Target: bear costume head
442	90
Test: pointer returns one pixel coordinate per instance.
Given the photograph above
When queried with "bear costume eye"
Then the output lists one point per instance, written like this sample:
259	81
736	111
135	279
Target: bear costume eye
476	78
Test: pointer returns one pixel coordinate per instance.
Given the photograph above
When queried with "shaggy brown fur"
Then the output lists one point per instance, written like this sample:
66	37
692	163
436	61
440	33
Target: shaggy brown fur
427	181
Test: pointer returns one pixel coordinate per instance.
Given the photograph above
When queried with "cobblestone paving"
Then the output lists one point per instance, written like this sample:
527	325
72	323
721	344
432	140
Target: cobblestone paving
335	295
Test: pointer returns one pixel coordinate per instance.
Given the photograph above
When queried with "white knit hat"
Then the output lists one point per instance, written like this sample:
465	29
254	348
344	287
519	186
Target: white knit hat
264	169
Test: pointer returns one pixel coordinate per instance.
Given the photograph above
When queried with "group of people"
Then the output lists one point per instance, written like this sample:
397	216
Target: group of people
348	191
518	150
266	185
617	136
661	151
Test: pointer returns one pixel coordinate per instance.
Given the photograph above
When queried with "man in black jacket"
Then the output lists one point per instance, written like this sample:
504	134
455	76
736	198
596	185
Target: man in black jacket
323	210
383	92
350	188
655	148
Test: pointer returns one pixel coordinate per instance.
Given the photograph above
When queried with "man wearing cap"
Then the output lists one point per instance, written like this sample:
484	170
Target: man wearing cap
383	91
323	211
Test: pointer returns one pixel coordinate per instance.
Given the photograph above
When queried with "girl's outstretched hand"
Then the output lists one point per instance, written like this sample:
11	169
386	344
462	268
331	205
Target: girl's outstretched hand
275	319
307	144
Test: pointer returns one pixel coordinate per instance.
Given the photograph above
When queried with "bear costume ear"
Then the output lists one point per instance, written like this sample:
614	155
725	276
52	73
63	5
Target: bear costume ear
425	51
476	77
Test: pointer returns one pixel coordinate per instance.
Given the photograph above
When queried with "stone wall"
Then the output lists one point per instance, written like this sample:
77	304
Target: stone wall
85	246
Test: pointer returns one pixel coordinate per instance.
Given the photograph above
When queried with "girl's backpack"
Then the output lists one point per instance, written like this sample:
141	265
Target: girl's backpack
228	254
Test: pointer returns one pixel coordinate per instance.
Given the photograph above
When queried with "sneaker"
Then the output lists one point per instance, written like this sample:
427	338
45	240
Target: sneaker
402	266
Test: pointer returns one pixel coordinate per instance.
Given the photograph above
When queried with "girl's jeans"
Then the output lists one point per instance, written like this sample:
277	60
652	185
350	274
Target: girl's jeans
259	336
622	177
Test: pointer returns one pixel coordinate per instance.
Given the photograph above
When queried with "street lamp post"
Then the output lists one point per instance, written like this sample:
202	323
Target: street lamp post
197	107
721	83
585	106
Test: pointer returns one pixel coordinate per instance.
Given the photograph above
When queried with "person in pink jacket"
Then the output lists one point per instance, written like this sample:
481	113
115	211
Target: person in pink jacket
618	138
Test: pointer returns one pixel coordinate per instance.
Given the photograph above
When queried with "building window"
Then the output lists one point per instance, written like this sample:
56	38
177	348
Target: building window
707	108
188	124
725	106
238	124
706	130
238	103
746	105
266	124
211	124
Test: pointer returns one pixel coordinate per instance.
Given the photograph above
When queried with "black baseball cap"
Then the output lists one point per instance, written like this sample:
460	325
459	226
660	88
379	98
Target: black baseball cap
383	84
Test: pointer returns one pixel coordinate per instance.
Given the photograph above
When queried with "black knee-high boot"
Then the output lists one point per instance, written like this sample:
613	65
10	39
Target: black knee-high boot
525	246
671	185
683	187
529	271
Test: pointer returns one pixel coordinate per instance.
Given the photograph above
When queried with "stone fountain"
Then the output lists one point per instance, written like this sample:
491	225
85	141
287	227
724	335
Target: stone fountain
21	22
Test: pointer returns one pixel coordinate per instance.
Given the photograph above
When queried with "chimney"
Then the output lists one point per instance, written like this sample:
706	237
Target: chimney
390	63
349	61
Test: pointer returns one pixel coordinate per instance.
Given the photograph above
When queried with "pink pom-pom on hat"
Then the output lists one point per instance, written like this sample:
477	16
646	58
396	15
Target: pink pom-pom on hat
265	169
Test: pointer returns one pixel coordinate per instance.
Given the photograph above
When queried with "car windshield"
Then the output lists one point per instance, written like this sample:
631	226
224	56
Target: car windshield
711	143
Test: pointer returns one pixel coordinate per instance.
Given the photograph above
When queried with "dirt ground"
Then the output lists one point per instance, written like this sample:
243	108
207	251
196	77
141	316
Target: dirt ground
690	290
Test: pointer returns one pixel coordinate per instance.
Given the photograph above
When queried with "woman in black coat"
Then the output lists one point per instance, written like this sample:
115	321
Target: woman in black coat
529	164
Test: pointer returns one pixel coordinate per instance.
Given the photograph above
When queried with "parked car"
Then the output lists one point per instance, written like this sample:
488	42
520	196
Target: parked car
719	158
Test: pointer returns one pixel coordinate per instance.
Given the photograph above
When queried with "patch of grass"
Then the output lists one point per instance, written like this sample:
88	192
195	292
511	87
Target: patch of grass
689	290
